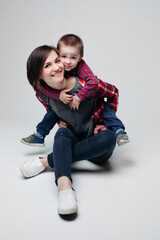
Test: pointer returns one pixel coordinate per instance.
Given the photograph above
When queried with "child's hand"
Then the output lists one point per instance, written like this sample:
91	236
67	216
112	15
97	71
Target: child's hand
74	104
64	97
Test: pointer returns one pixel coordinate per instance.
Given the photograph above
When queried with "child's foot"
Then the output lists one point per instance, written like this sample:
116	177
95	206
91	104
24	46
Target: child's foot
33	140
122	138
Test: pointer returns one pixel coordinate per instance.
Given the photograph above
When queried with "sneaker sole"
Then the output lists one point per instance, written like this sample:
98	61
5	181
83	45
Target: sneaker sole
33	144
122	142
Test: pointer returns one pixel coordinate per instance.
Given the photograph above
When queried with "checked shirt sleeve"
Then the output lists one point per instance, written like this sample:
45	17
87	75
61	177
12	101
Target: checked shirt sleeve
50	92
46	105
91	81
110	92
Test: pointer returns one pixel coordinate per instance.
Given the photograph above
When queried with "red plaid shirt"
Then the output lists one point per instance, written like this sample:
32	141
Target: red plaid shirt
102	90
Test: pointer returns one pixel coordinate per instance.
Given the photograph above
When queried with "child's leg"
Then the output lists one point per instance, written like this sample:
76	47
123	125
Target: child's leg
42	129
114	124
110	119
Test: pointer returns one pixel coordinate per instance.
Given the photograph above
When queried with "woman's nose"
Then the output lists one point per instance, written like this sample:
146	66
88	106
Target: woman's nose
55	67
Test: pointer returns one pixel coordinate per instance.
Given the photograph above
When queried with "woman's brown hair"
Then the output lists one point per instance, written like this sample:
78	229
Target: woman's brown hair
35	64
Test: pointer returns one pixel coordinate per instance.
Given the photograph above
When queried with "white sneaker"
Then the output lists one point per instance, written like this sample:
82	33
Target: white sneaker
32	168
67	202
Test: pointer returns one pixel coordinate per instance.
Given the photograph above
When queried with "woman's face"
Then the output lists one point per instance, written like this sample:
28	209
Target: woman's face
53	71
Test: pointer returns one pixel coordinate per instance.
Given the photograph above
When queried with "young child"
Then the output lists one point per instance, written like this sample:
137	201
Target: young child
70	49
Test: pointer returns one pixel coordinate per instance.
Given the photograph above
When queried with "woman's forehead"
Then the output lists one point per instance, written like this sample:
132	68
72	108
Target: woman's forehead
52	56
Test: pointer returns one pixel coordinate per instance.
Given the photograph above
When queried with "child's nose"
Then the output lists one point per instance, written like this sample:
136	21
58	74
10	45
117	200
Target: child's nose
67	60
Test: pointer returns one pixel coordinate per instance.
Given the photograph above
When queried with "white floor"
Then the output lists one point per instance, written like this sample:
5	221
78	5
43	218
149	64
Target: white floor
121	200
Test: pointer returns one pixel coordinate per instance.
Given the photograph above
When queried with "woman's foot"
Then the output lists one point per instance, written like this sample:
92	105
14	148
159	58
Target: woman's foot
67	198
67	202
34	167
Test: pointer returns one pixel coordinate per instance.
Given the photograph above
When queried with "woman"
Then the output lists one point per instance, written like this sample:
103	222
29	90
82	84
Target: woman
77	139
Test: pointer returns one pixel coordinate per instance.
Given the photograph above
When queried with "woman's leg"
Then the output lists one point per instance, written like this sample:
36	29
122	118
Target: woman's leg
67	149
97	148
62	153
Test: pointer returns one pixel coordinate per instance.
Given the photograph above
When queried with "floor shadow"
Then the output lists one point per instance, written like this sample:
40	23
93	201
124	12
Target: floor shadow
70	217
93	168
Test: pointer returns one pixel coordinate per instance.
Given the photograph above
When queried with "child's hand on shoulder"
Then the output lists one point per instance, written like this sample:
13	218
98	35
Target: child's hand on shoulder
74	104
64	97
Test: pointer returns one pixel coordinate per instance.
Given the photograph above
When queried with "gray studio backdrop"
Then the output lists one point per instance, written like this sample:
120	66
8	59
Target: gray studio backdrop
122	47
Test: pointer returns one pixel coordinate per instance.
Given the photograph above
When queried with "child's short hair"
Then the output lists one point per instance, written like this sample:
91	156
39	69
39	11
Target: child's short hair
71	40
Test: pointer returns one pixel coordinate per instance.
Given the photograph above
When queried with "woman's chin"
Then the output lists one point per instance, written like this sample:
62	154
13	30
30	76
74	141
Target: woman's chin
58	85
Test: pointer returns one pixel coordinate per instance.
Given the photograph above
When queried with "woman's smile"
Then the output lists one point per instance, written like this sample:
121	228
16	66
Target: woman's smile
53	71
57	74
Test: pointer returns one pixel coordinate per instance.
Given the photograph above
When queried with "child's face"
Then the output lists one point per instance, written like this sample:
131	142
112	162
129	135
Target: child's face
70	56
53	71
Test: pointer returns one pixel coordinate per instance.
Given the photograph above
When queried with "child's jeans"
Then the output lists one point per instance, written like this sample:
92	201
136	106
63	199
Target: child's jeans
110	119
47	123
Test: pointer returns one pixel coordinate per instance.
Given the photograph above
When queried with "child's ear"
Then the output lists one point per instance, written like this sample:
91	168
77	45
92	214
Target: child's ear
80	59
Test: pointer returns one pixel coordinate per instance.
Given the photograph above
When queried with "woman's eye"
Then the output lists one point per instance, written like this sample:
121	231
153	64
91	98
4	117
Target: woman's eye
58	60
47	65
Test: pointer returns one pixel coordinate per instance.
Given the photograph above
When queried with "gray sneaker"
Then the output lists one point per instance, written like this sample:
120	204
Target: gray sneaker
122	138
33	140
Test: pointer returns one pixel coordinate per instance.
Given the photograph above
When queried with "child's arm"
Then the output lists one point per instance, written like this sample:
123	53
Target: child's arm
64	97
91	81
94	87
74	104
50	92
57	94
89	88
46	105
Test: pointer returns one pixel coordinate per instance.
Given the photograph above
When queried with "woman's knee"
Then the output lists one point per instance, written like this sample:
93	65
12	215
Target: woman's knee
63	132
107	138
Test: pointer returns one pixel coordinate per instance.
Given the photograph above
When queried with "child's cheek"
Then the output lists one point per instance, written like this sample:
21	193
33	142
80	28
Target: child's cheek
62	60
66	70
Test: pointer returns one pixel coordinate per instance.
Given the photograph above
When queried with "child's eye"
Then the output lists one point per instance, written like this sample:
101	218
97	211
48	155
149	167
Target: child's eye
58	60
73	58
63	56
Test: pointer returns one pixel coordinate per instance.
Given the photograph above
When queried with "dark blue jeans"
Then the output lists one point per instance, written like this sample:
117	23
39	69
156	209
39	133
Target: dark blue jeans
67	150
110	119
47	123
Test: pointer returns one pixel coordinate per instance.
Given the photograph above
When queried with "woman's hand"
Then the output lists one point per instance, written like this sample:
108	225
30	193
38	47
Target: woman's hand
62	124
74	104
99	128
64	97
